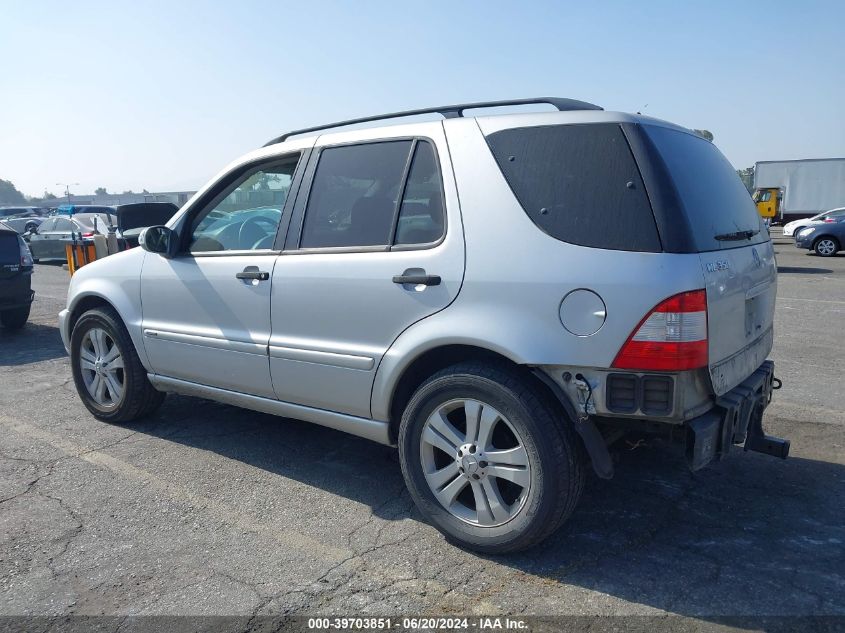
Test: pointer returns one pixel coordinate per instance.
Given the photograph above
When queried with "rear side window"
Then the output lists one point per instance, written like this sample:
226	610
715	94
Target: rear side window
375	194
353	196
421	215
578	183
714	199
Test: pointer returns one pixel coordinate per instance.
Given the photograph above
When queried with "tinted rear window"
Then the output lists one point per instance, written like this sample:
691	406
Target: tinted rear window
578	183
714	199
10	252
354	195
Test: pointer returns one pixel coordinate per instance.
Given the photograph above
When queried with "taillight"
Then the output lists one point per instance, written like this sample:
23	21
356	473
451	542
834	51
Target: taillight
829	220
672	337
89	234
26	255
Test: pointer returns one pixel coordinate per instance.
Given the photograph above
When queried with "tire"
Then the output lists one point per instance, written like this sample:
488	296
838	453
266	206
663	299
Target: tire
826	246
528	425
94	336
15	318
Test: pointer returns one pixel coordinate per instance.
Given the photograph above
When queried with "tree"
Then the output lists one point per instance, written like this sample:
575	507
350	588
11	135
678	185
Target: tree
127	192
9	193
48	196
100	191
747	177
705	134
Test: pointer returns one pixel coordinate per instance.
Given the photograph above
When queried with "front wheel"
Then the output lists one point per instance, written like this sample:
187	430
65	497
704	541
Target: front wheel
110	379
488	460
826	247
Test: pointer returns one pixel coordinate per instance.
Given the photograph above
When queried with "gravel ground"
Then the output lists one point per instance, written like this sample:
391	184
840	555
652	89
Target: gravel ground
208	510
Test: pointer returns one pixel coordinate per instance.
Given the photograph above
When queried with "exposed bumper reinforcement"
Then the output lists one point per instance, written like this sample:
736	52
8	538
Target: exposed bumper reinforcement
736	419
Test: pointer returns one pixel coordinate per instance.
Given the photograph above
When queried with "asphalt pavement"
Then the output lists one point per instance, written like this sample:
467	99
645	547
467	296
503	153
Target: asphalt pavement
207	509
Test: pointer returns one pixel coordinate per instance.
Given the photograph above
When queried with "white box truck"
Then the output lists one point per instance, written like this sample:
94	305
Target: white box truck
786	190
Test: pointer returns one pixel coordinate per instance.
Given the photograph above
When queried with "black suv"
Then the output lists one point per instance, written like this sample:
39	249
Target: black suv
15	279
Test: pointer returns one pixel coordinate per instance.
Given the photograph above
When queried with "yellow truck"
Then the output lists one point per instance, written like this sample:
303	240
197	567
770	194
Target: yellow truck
768	201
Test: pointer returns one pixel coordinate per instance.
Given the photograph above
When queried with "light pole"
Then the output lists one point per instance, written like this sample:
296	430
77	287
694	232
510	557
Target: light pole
67	186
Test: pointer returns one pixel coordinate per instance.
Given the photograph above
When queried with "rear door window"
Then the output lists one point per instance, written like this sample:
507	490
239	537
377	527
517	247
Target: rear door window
578	183
716	203
354	195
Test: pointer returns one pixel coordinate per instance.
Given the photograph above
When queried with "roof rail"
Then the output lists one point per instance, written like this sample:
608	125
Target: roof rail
448	112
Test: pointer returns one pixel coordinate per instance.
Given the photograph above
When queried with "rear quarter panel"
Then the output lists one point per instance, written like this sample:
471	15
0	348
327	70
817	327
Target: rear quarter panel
516	277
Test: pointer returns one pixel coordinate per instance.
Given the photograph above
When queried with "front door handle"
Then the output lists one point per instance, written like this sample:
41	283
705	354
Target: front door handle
252	272
417	277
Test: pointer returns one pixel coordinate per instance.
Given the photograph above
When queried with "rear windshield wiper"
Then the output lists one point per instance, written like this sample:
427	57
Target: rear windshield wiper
737	235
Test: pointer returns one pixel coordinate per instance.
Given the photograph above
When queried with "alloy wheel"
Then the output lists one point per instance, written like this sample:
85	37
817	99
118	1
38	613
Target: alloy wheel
475	462
102	368
826	247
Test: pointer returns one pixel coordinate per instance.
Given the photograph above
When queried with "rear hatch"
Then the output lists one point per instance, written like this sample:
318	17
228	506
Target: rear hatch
737	258
10	253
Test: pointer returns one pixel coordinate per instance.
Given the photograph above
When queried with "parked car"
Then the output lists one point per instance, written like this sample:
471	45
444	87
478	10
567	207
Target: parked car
49	240
790	229
590	281
24	225
20	212
16	293
825	238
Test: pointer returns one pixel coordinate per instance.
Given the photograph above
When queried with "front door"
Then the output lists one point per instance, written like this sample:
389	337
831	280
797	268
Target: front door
377	246
206	312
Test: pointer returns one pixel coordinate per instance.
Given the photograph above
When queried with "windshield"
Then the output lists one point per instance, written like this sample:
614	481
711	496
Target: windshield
718	207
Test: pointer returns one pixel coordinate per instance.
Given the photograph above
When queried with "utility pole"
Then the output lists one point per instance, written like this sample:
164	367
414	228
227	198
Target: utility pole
67	186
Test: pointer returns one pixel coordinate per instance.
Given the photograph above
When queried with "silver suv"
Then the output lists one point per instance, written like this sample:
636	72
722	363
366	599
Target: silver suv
500	297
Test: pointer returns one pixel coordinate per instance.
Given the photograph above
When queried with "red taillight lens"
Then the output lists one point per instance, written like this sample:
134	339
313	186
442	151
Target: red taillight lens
672	337
87	235
829	220
26	255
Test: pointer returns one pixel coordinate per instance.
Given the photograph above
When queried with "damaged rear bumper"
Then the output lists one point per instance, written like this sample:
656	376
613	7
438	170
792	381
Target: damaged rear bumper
736	419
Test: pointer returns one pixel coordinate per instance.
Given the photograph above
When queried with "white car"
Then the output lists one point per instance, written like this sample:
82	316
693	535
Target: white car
833	215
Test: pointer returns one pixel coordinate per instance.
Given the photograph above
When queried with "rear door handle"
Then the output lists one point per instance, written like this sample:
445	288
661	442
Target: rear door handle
251	272
417	279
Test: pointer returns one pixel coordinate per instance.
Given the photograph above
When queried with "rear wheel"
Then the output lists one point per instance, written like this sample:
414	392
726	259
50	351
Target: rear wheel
488	460
110	379
826	247
15	318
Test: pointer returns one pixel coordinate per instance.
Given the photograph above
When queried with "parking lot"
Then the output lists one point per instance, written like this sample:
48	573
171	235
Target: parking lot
208	509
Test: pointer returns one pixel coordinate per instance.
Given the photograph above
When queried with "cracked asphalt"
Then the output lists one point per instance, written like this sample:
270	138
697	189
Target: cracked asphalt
206	509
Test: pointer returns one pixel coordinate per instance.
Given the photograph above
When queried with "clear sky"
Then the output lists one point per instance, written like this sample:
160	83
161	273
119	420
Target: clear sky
162	94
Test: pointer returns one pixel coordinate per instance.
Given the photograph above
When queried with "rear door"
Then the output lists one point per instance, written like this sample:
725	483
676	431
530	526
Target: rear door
737	258
375	246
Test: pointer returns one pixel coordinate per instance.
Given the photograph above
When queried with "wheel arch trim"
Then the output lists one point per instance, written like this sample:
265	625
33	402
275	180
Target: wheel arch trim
86	299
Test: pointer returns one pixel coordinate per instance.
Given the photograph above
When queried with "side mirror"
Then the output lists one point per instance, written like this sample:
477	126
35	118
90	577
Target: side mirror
159	239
